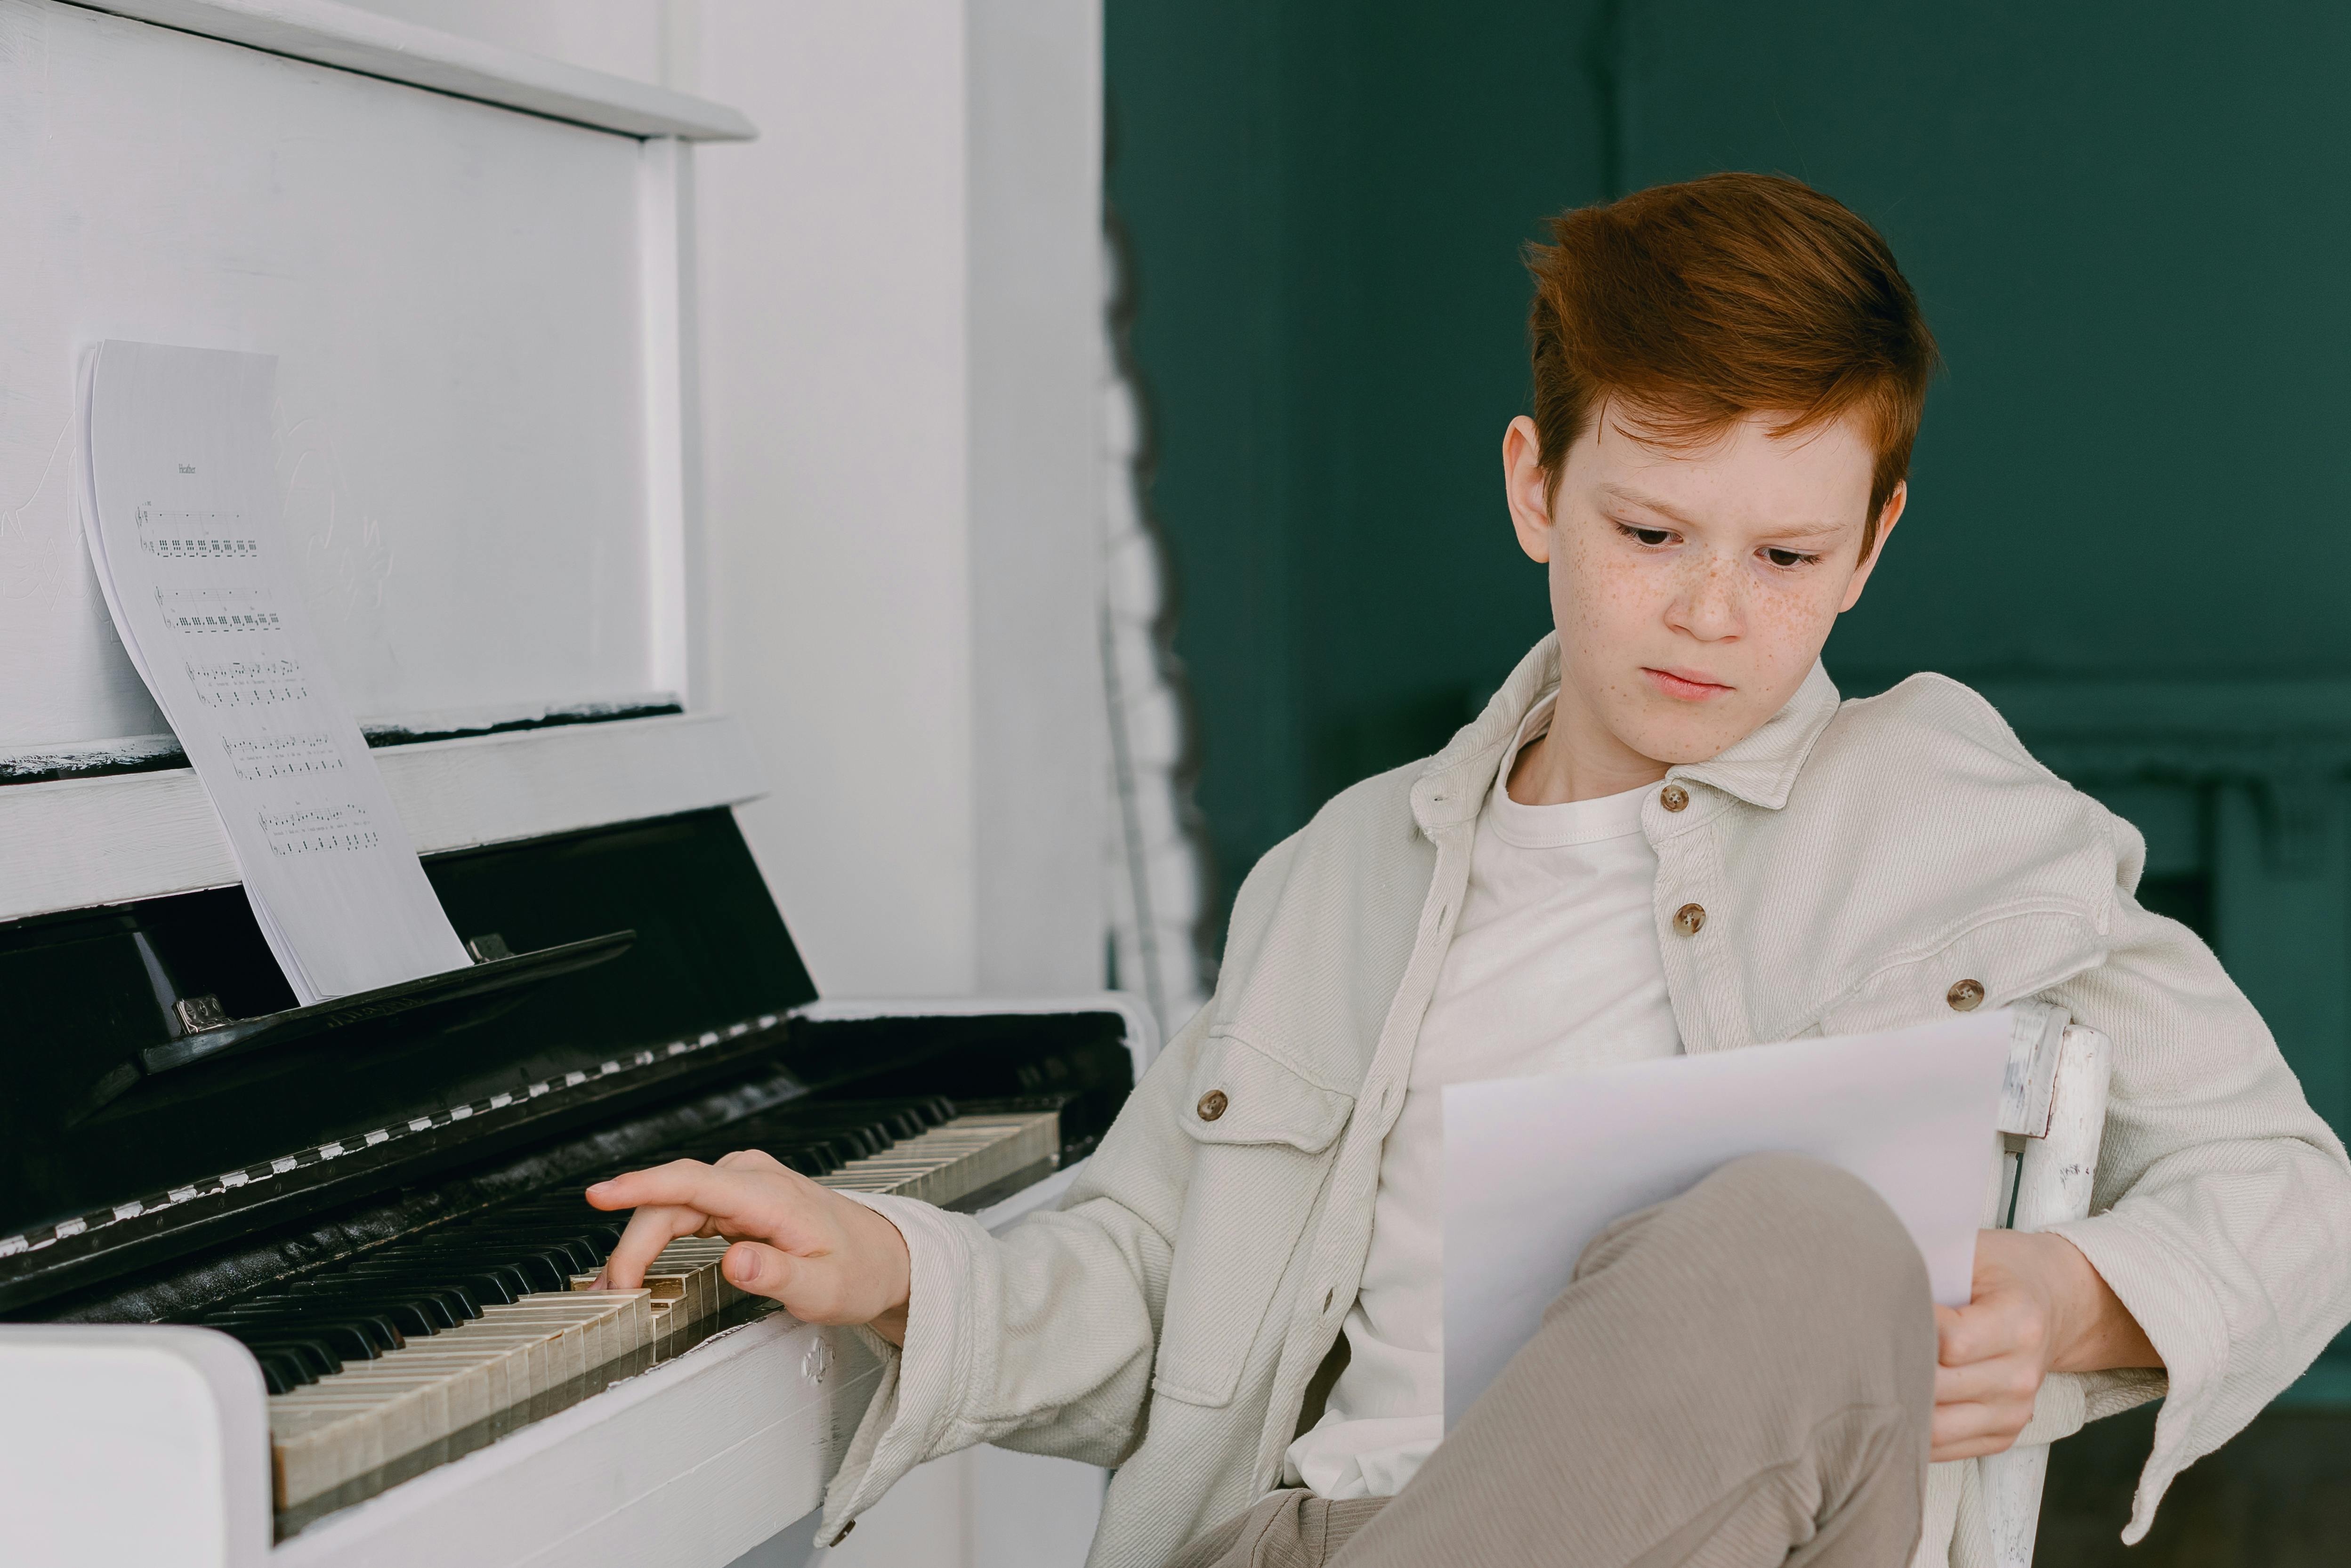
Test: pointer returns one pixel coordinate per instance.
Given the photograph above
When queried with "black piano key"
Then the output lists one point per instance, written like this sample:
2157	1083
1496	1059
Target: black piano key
313	1359
413	1315
309	1359
400	1308
378	1333
348	1341
278	1376
469	1291
573	1253
539	1271
494	1272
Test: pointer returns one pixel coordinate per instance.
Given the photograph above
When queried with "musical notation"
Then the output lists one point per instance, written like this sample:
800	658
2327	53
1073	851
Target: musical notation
180	513
248	683
259	757
201	612
319	830
196	535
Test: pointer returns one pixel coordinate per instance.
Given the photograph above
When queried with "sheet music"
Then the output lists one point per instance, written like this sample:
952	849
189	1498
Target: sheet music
1536	1167
178	498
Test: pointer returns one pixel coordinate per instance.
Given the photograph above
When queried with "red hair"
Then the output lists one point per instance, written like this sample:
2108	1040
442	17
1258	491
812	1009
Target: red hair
1694	306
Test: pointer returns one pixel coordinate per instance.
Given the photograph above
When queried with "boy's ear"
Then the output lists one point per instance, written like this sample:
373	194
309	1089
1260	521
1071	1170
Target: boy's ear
1887	519
1524	488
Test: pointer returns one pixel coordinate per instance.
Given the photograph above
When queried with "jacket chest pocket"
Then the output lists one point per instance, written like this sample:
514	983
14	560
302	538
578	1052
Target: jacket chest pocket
1261	1136
1990	965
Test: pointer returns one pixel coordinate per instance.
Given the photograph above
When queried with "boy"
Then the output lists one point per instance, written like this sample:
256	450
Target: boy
1665	833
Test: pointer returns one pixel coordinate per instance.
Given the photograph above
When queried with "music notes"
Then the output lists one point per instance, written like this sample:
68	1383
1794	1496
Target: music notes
248	683
259	757
178	496
319	830
209	612
196	535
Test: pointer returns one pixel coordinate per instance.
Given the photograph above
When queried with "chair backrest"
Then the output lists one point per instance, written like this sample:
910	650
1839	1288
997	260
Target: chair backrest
2054	1113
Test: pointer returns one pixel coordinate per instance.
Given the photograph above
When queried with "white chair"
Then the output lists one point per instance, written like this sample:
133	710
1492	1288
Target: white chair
2052	1114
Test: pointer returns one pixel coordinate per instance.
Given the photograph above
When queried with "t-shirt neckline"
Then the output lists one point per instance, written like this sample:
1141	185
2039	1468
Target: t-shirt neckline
1568	823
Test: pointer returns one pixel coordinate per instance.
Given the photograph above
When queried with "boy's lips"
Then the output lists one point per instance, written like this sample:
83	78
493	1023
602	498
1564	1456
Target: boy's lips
1689	685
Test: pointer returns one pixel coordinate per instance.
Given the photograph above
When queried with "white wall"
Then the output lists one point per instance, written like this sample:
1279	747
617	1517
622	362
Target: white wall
901	483
836	418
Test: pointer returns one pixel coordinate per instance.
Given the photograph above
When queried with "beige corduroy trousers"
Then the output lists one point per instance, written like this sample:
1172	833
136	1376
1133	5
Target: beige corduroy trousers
1739	1376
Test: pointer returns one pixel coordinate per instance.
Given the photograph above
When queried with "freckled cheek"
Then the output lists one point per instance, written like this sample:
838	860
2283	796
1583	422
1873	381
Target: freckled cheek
1598	600
1788	625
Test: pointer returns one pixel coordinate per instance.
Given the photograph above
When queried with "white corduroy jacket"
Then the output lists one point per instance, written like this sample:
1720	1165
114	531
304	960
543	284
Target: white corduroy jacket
1855	860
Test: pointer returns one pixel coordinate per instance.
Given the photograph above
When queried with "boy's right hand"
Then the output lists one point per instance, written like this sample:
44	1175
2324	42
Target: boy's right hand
827	1258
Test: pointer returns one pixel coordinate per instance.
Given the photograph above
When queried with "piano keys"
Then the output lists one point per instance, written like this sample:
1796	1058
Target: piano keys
388	1216
475	1357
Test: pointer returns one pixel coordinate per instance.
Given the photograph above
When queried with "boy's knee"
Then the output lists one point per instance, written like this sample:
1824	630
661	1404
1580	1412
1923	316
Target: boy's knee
1772	1224
1789	1222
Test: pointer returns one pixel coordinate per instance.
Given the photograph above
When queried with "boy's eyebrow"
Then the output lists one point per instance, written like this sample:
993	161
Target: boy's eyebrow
1666	510
1651	502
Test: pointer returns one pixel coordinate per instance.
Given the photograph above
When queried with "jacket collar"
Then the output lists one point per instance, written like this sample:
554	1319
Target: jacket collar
1760	770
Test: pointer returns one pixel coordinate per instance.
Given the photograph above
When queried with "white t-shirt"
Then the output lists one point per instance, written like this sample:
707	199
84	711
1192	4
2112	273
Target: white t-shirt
1553	968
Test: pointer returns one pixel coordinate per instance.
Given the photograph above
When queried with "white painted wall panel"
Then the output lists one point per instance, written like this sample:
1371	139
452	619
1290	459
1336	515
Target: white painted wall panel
1042	751
453	294
835	343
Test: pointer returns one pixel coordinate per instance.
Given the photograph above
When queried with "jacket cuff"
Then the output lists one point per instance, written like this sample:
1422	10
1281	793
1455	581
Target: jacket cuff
2177	1305
913	1410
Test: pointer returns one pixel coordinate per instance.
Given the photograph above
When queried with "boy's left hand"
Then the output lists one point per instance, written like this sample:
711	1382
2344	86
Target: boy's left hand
2038	1307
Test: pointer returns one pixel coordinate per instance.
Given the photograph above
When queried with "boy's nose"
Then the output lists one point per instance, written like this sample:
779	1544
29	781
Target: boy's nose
1708	608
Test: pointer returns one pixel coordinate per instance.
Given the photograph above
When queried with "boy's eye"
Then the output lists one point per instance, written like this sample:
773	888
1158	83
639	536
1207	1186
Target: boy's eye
1651	536
1779	558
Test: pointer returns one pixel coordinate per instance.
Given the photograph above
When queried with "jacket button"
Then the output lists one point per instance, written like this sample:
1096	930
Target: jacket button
1965	995
1673	797
1212	1105
1688	918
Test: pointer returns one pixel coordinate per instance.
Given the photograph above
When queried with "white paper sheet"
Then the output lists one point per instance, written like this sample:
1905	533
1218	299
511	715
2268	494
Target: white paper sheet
1536	1167
178	497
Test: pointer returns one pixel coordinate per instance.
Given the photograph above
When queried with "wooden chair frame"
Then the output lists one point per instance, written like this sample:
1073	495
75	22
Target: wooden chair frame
2053	1115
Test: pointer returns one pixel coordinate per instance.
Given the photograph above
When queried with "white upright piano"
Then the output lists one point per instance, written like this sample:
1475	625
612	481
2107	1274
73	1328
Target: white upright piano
306	1285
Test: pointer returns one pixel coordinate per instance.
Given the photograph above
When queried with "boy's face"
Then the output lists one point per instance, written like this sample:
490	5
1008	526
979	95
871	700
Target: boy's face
1692	588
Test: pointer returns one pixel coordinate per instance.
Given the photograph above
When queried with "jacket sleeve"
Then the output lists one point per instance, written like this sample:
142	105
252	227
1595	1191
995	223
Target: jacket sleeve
1040	1338
2221	1214
1043	1338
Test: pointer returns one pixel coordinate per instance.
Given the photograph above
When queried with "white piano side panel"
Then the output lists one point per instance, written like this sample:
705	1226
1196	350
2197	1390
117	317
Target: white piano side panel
459	296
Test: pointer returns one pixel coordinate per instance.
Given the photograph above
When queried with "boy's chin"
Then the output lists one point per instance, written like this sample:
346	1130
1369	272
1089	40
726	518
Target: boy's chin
1678	737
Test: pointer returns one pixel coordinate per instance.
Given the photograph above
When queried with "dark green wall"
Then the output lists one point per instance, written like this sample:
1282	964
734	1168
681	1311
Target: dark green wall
1326	203
2127	223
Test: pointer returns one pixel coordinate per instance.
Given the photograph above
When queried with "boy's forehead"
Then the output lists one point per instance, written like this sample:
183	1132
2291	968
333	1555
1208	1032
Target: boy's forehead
1757	463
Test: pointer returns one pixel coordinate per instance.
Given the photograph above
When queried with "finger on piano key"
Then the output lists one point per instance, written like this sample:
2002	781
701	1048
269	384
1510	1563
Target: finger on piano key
508	1323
